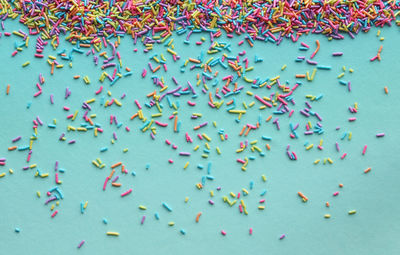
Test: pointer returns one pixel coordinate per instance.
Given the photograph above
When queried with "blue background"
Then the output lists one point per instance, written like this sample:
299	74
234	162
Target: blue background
374	229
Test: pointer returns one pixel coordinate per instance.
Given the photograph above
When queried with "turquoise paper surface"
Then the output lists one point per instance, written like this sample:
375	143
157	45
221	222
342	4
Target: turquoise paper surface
374	229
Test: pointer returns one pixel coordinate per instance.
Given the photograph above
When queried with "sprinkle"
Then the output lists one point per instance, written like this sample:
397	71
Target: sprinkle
166	206
80	244
109	233
126	192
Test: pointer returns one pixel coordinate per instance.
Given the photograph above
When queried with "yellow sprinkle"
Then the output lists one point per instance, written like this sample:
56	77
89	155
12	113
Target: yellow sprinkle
26	63
171	223
206	137
186	199
196	148
327	216
186	165
264	178
2	175
261	207
112	233
142	207
317	161
211	193
330	160
309	146
283	67
232	194
38	193
85	205
10	171
352	212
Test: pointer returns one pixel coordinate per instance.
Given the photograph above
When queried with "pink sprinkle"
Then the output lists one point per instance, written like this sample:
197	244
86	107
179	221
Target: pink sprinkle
352	119
126	192
99	91
161	124
105	183
305	45
282	236
170	161
251	231
344	155
223	232
336	193
54	214
364	150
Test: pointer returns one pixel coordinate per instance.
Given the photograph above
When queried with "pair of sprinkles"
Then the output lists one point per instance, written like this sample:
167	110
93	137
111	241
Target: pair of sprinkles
95	29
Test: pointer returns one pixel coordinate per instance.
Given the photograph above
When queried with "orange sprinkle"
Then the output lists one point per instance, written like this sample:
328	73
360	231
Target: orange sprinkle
327	204
300	76
77	76
241	132
116	184
127	69
269	118
210	95
216	73
151	94
302	196
268	147
156	69
247	132
116	164
367	170
90	121
198	217
52	68
8	89
386	90
12	148
111	174
134	116
194	60
230	102
176	123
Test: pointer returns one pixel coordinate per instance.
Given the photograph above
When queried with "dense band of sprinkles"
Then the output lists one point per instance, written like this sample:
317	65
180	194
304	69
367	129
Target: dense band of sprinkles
154	21
91	27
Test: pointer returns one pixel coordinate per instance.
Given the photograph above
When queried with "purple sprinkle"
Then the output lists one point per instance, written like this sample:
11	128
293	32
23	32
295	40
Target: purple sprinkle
80	244
16	139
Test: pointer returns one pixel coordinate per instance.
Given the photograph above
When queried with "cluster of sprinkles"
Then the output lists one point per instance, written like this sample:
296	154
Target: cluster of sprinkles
91	27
